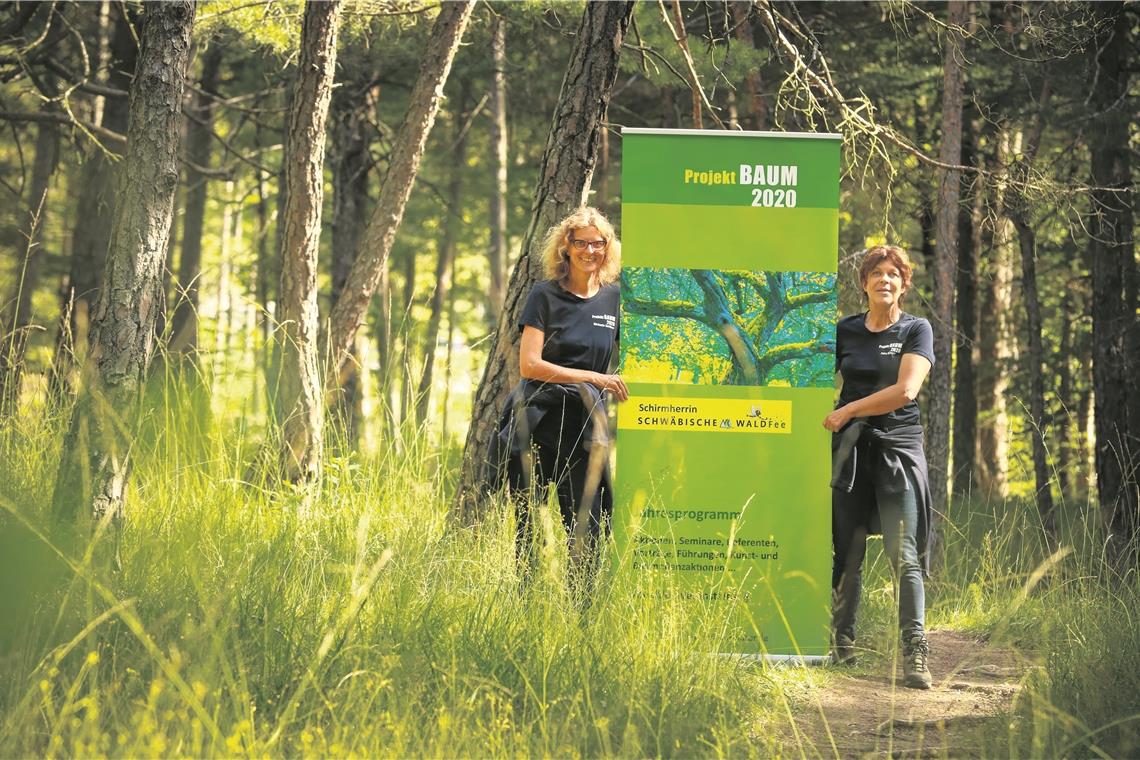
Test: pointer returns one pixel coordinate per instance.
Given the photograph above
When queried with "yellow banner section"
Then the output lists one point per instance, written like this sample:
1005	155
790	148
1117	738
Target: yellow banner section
709	415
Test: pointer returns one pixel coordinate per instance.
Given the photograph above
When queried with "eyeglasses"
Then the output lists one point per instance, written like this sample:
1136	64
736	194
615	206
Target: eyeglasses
594	245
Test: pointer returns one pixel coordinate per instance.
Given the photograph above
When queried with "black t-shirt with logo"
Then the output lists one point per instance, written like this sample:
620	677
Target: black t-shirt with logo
577	332
869	361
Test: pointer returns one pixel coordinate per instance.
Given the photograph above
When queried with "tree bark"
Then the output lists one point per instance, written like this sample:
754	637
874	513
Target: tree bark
97	448
564	181
199	140
300	404
946	257
1116	342
15	343
93	215
1018	209
994	338
407	152
498	252
351	139
444	264
964	439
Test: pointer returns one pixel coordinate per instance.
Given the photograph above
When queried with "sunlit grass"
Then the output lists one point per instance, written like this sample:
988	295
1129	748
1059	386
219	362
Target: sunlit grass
247	619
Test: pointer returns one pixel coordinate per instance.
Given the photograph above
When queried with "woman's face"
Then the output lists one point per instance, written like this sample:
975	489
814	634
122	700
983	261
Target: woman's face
587	251
884	284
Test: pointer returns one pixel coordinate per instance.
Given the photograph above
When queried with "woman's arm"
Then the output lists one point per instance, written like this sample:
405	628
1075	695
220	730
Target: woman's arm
913	370
533	367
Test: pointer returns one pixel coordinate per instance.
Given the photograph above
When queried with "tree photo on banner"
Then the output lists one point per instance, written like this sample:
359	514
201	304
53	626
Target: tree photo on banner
729	327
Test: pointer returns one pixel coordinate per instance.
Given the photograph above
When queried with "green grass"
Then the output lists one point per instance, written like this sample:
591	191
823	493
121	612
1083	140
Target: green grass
247	619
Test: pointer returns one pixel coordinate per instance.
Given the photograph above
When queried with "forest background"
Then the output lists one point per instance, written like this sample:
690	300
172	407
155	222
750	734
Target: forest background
259	263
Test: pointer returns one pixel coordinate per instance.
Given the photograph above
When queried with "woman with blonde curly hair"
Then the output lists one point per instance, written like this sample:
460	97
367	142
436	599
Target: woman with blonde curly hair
569	328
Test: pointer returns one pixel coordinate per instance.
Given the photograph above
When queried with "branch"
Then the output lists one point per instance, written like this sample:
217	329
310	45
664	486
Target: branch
788	351
646	308
719	316
679	37
803	299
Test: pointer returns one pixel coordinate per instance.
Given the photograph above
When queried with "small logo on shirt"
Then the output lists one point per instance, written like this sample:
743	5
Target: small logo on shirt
890	349
604	320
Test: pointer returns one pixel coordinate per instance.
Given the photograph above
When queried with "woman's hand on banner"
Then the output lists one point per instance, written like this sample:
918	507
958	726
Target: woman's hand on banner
613	384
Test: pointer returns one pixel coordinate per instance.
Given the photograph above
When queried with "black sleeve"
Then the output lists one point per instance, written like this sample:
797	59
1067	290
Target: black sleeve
920	340
536	310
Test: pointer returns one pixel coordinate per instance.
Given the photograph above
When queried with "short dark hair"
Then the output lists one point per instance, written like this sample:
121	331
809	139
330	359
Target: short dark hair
880	253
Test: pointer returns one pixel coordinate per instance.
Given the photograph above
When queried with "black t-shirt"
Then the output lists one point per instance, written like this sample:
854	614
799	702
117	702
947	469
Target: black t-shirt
869	361
577	332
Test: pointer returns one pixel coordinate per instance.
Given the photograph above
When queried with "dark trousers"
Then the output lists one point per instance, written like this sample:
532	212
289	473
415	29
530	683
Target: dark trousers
851	515
567	467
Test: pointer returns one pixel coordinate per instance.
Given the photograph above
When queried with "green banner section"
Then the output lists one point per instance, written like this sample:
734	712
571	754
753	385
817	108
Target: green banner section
731	169
728	339
727	237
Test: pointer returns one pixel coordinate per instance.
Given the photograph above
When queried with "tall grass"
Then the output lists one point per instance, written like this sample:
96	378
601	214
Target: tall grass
248	618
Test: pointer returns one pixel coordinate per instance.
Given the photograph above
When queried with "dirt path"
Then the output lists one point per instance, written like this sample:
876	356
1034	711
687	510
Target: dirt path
863	714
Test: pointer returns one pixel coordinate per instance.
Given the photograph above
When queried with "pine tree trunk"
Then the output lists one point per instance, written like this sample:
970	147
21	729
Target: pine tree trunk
300	404
199	141
1018	207
97	448
14	344
1063	363
564	181
946	258
966	333
1116	341
93	215
351	138
407	152
451	231
498	252
994	338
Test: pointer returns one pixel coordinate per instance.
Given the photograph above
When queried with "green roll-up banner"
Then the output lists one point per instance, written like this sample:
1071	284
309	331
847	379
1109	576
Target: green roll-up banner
729	260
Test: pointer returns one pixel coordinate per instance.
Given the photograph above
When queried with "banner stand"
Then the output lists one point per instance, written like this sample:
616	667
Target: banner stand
728	306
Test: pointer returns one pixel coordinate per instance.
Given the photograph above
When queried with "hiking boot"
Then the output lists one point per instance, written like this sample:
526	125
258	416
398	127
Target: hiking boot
916	651
843	650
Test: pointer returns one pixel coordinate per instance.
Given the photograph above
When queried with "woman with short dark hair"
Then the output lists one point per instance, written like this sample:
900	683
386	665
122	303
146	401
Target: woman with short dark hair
880	478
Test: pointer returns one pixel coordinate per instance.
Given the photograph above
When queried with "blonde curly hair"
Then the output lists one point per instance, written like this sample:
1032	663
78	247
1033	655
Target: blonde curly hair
556	245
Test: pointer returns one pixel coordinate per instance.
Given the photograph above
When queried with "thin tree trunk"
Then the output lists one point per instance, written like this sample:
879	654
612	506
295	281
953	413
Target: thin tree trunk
384	354
447	368
1062	362
300	404
95	462
564	181
14	344
93	215
402	368
1116	341
1018	208
946	258
966	334
994	345
199	141
498	252
351	138
444	264
407	152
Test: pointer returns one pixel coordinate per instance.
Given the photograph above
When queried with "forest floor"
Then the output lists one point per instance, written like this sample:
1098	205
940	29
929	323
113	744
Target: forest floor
864	712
